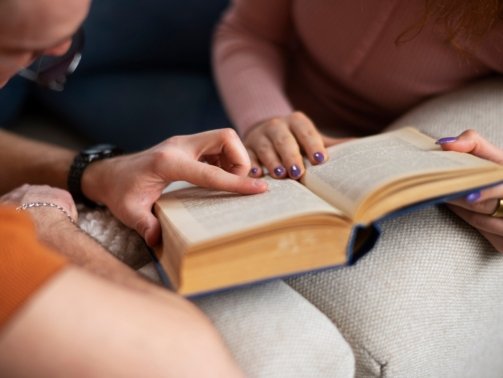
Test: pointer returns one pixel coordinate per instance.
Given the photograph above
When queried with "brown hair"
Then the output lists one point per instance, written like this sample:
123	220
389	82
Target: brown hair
461	19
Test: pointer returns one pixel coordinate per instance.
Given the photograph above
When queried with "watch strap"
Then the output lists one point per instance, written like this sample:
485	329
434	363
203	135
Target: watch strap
81	161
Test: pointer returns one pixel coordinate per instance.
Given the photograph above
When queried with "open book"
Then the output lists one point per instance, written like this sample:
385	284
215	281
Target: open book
215	240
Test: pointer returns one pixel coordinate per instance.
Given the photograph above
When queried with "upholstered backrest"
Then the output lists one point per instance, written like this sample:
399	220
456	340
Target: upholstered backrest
478	106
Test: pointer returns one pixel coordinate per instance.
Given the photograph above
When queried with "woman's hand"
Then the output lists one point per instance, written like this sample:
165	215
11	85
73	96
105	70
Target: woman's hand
130	184
278	145
476	208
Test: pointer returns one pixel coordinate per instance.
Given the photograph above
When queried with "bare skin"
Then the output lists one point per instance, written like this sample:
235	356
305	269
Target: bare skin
80	325
95	313
130	184
280	144
477	213
29	29
283	141
101	318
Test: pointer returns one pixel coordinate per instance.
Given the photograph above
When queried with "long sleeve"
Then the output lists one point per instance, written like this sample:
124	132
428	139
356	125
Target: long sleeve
249	56
338	61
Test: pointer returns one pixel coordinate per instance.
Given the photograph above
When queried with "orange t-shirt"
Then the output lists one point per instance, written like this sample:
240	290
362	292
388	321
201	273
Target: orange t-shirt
25	264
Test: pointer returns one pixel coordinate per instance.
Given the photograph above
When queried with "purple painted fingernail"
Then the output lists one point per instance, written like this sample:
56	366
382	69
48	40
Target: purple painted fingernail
473	196
254	171
446	140
294	171
279	171
319	157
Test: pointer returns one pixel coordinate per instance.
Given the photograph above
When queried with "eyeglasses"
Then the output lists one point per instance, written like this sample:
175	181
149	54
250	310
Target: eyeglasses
52	72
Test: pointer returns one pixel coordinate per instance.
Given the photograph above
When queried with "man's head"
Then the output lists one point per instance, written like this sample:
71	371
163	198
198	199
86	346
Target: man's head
31	28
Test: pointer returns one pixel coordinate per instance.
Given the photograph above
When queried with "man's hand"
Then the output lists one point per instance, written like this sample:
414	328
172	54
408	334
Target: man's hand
130	184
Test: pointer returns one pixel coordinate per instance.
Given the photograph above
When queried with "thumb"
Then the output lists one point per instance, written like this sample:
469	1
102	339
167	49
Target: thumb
153	232
472	142
149	229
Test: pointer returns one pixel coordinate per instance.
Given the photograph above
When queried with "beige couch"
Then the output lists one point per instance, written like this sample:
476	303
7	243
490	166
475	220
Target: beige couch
426	302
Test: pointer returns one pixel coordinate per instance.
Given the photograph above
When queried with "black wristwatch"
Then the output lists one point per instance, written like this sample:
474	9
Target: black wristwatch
81	162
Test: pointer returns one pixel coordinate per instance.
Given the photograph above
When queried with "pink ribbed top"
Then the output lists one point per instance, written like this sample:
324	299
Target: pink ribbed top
338	61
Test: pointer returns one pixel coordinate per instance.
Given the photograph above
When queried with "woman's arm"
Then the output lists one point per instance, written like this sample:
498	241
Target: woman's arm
250	54
252	51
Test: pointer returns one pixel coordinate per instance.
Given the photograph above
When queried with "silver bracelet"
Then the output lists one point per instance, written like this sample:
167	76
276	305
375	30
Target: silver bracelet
30	205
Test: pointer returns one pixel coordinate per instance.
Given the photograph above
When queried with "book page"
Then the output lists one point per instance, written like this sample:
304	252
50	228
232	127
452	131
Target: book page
359	167
201	214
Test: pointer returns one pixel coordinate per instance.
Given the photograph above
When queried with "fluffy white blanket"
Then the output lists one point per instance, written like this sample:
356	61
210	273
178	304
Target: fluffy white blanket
122	242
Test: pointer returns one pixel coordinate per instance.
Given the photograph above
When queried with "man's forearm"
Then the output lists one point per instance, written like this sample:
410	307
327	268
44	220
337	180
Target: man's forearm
58	233
24	160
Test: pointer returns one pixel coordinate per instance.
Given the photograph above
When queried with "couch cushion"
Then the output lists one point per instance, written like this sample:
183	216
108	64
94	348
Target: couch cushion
271	329
274	332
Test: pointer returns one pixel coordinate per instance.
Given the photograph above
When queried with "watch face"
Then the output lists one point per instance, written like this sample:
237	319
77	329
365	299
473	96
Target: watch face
100	149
